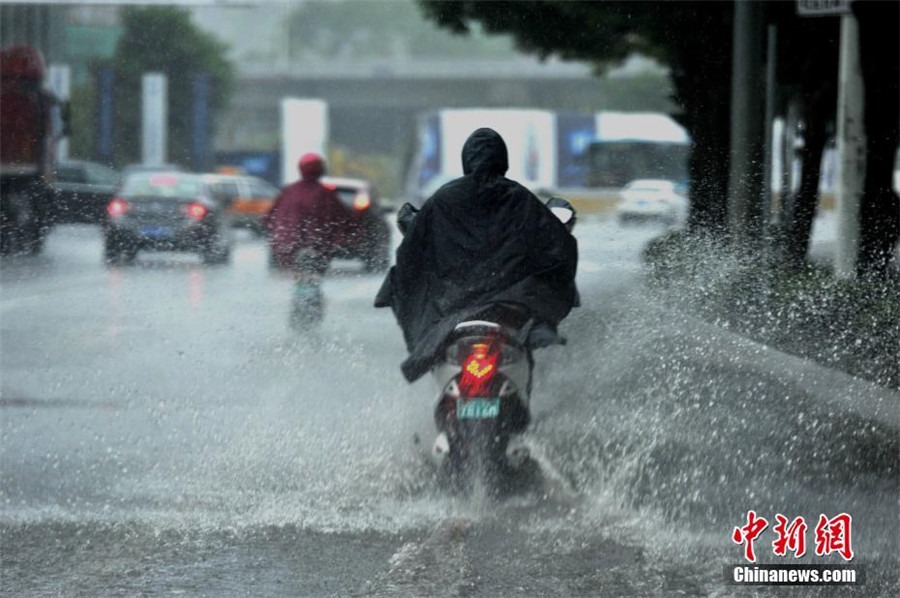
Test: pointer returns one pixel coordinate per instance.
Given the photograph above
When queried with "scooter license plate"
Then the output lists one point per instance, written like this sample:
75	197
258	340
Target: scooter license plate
478	408
157	232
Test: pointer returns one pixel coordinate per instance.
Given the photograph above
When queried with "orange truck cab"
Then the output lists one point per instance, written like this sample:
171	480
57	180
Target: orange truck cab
32	121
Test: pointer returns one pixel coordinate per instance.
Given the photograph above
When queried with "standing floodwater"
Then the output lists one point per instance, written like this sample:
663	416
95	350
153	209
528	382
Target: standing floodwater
176	437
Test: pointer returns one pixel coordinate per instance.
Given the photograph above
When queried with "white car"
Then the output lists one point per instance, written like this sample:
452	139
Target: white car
652	199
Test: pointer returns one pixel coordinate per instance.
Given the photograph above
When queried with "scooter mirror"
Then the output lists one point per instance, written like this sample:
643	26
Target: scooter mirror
405	216
563	210
564	214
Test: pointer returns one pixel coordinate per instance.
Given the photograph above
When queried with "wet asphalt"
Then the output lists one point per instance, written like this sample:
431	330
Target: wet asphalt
165	433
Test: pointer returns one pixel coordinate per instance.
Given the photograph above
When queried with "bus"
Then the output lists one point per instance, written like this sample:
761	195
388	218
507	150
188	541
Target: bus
634	145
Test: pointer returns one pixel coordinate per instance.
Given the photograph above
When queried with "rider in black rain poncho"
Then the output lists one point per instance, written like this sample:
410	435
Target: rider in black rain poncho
479	240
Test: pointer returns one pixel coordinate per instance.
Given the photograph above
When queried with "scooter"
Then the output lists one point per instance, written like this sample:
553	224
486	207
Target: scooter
484	386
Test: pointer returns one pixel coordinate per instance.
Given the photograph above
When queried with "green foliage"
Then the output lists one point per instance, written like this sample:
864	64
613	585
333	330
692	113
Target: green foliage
83	115
386	29
600	32
162	39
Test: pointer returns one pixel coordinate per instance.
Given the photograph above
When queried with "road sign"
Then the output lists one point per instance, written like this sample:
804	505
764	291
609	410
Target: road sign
823	8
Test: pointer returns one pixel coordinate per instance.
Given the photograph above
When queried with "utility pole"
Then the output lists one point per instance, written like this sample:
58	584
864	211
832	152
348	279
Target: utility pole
747	129
851	146
768	154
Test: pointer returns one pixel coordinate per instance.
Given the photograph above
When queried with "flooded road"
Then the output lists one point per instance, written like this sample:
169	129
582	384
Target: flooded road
163	433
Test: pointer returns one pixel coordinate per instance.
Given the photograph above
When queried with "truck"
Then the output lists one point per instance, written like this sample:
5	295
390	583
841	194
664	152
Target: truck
32	122
437	155
583	156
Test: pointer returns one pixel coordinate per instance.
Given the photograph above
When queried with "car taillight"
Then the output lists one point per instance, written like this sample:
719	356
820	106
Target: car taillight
117	207
361	202
195	211
478	371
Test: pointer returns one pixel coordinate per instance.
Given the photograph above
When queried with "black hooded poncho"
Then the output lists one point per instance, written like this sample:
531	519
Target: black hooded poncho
479	240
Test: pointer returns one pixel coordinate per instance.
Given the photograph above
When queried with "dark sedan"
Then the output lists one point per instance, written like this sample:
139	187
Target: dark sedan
83	190
167	211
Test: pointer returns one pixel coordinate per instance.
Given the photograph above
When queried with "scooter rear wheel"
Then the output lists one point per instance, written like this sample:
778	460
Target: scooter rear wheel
477	454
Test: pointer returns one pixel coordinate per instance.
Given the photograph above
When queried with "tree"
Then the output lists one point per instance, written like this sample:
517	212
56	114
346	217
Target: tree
879	54
83	121
807	83
163	39
694	39
808	71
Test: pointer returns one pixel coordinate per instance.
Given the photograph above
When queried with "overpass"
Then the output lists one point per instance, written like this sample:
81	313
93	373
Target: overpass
373	106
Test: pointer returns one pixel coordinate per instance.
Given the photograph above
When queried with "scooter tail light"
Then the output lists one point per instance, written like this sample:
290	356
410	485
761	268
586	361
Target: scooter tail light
196	211
478	370
117	207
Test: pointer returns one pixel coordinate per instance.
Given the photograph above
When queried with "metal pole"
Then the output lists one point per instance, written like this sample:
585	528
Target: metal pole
851	147
747	133
768	160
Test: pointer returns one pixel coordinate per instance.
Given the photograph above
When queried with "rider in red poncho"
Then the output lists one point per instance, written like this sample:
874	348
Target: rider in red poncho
306	215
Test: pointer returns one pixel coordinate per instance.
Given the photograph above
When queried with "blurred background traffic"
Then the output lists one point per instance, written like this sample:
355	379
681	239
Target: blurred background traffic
229	90
384	90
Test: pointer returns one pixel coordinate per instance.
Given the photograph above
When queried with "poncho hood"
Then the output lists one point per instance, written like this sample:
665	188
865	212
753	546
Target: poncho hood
484	153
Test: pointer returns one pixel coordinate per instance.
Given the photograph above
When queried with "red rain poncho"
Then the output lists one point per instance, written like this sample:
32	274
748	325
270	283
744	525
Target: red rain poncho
306	214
